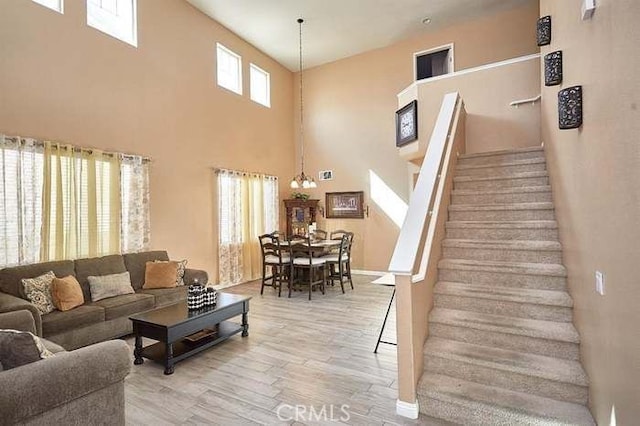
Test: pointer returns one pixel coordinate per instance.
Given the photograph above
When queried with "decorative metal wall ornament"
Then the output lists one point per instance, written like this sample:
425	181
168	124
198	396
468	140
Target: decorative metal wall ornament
570	108
544	31
553	68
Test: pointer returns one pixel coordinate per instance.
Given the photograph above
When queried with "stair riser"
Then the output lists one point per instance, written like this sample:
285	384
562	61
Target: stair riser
530	234
533	345
523	197
501	215
501	170
510	309
537	282
528	256
506	379
500	158
502	183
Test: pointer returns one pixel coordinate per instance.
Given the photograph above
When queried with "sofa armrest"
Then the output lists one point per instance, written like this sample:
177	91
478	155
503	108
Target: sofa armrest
191	274
9	303
21	320
43	385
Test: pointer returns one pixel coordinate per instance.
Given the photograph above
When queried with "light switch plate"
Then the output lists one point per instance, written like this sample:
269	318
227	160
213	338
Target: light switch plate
588	7
600	283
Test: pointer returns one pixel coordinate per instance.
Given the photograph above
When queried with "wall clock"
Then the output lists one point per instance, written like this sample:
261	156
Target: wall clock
407	123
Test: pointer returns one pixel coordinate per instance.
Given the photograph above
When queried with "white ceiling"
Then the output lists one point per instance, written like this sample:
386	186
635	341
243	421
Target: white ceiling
336	29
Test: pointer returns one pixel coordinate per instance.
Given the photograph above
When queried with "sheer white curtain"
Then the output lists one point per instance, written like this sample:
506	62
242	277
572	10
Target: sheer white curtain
21	165
247	207
135	232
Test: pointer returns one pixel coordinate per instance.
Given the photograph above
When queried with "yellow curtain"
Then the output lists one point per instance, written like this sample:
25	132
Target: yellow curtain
81	203
253	225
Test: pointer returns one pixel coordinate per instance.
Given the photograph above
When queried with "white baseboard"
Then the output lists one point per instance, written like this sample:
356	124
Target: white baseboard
407	409
372	273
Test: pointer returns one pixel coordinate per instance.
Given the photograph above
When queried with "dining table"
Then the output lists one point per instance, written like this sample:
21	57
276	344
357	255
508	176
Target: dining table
318	247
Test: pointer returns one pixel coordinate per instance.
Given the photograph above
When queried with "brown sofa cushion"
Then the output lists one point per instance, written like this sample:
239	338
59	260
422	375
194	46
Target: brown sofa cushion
160	275
97	266
10	278
167	296
66	293
120	306
59	322
136	263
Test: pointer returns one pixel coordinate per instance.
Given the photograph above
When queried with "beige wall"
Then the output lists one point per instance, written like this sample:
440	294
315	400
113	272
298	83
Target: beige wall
492	123
62	80
349	116
595	173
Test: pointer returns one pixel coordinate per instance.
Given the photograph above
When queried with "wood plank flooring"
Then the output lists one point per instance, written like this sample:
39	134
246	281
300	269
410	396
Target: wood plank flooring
298	352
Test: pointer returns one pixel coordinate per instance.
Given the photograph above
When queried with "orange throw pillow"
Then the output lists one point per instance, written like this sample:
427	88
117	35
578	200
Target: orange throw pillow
160	275
66	293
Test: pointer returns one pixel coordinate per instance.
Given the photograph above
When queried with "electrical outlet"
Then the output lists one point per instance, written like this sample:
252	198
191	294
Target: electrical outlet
600	283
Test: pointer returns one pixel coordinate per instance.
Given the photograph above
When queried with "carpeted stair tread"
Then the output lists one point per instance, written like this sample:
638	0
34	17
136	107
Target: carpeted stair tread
547	269
516	190
544	367
523	162
551	330
513	224
496	406
492	207
505	294
503	152
512	245
524	175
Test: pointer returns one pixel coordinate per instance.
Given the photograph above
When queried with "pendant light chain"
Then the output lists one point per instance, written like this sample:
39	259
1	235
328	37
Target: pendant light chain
300	21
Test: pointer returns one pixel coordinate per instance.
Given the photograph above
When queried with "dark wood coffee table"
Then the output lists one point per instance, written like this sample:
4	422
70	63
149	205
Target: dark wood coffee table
174	328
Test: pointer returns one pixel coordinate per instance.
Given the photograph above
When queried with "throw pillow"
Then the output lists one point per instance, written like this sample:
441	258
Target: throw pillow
105	286
18	348
66	293
182	266
38	291
160	275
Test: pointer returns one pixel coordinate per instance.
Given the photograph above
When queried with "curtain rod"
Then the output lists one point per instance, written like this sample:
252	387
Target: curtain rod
75	148
243	172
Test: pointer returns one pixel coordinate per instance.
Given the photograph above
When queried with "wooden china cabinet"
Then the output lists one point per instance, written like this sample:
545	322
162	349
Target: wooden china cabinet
300	214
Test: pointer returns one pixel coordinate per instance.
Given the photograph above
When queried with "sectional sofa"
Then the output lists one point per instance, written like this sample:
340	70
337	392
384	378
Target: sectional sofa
93	321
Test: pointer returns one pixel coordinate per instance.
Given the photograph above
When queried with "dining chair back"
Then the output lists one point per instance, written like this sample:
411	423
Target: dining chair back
338	234
276	259
305	269
319	234
337	264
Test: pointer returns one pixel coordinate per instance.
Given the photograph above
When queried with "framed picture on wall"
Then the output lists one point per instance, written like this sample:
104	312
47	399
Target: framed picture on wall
345	205
407	123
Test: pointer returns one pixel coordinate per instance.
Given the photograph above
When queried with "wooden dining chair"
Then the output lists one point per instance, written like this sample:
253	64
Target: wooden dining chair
305	269
337	235
275	258
337	264
319	234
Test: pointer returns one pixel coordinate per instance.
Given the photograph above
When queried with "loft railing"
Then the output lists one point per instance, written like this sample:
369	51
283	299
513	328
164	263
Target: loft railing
417	250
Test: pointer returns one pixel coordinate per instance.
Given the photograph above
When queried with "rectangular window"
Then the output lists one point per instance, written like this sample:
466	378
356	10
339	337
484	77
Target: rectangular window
63	202
260	85
229	66
51	4
114	17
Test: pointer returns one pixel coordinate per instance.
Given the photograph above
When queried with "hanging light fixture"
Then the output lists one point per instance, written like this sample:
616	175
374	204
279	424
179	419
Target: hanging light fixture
302	180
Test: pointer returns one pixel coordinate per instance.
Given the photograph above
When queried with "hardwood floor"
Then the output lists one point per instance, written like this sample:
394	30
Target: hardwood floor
298	353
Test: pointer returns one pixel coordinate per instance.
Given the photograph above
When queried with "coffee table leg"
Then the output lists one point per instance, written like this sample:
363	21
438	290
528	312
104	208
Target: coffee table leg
137	351
168	362
245	324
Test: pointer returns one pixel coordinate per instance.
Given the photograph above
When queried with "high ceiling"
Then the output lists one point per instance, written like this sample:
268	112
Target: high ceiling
336	29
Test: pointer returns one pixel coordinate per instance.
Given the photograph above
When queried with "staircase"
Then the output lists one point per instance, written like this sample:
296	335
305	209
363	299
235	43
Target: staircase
502	349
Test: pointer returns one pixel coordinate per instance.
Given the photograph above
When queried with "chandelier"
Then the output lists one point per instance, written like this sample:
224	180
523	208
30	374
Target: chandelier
302	180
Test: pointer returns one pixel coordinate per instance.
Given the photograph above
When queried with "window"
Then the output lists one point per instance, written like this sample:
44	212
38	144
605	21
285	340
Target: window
247	208
51	4
260	85
229	67
63	202
434	62
114	17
